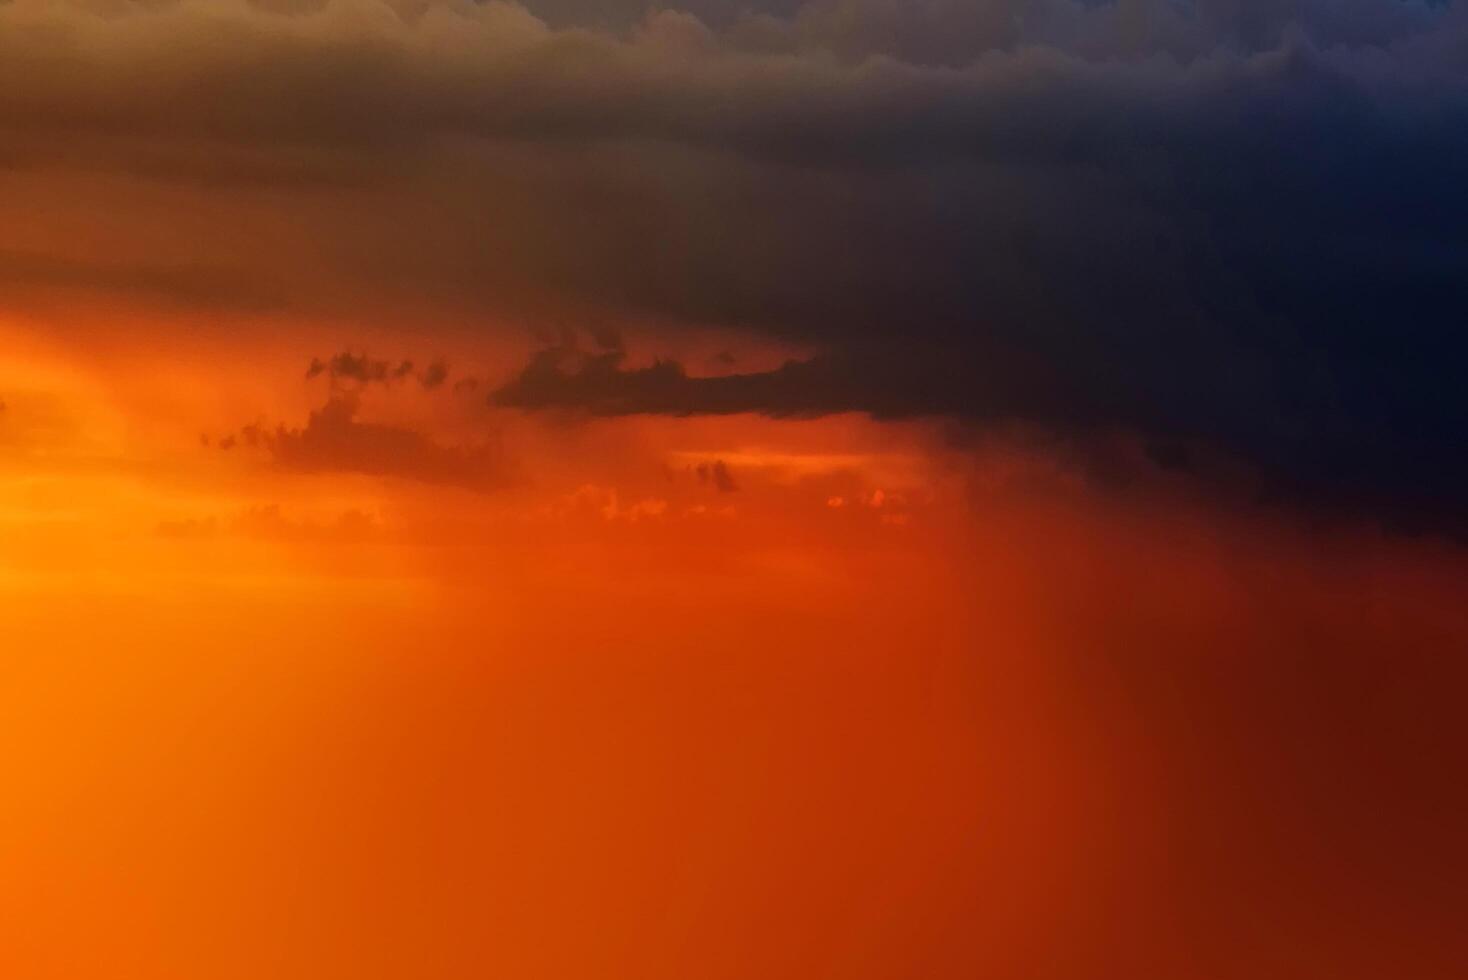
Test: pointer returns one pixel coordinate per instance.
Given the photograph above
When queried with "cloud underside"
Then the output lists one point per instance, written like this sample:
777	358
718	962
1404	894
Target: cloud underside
1406	480
1232	222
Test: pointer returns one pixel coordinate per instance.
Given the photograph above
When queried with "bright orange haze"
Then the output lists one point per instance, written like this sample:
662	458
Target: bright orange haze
679	698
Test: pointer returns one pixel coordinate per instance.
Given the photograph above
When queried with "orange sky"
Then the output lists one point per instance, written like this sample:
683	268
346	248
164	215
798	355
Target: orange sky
869	703
733	490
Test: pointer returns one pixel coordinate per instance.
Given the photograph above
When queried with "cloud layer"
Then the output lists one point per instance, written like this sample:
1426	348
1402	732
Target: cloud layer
1232	222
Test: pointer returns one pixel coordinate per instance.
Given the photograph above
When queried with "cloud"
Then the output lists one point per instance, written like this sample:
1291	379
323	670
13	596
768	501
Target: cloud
335	440
1229	223
434	375
360	368
1316	457
937	32
564	377
364	370
717	473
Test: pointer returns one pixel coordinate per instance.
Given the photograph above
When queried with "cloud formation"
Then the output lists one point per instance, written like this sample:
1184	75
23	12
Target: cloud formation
359	368
1232	222
334	439
363	370
1408	481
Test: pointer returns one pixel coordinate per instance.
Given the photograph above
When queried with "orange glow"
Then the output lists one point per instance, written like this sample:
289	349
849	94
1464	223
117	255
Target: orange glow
869	705
733	490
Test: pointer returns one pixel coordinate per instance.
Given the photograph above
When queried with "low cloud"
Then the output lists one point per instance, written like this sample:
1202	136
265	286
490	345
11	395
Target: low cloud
334	439
347	366
1318	456
364	370
717	474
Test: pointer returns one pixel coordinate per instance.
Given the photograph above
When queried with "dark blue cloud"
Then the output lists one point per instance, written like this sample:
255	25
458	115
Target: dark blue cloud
1234	224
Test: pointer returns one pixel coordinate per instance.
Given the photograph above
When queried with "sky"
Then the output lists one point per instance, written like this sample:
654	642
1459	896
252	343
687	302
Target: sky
787	489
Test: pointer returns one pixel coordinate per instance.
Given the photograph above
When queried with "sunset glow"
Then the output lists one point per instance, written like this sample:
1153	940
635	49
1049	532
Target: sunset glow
765	492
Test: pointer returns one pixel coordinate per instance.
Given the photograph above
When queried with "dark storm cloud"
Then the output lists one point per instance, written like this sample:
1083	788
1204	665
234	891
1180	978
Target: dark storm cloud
1316	457
1231	222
